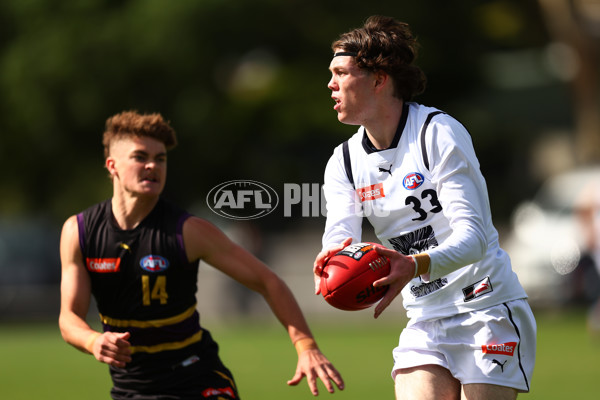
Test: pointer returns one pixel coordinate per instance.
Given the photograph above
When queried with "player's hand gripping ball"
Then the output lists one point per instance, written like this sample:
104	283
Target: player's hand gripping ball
348	276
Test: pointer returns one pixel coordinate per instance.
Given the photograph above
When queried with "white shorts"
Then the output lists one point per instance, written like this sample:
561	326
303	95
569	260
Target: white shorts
494	345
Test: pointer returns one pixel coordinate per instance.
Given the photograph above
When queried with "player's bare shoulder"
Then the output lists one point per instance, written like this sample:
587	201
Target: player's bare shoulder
69	237
70	225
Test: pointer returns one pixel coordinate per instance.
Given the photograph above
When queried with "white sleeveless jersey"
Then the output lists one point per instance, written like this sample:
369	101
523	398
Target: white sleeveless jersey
424	194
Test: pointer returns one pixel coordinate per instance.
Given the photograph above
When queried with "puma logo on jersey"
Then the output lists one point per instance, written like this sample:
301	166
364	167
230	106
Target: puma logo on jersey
125	247
494	361
389	171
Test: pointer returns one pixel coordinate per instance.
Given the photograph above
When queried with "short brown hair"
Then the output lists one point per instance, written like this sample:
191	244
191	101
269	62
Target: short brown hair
131	123
385	44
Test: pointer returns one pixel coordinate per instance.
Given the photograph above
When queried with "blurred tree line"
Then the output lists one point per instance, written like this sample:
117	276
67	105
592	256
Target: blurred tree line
243	83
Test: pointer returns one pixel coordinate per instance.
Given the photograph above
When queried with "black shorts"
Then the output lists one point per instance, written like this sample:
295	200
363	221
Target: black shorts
193	373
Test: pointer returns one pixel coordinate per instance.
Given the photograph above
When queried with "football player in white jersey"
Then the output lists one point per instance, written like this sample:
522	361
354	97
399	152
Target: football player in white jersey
412	172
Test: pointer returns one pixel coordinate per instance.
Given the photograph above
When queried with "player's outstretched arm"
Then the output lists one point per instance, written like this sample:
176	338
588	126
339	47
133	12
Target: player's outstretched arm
75	287
205	241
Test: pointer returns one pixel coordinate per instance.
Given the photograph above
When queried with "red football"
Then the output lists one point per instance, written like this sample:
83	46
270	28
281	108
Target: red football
348	276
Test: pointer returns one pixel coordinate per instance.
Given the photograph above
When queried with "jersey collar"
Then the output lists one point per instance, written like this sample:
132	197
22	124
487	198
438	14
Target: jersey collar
368	145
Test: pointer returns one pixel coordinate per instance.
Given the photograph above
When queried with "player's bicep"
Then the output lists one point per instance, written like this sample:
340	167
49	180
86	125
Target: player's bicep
75	282
204	241
244	267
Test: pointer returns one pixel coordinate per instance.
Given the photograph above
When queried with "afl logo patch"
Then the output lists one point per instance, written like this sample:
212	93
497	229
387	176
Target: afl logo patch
154	263
413	180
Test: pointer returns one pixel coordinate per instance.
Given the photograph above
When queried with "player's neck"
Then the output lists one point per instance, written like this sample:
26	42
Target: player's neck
129	211
382	128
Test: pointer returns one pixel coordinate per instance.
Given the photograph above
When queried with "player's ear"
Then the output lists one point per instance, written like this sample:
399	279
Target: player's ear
381	78
109	164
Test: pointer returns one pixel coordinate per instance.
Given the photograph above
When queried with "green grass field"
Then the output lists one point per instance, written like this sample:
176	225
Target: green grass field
37	364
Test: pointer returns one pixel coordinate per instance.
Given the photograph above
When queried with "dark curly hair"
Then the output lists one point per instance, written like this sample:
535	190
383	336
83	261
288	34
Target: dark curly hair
131	123
385	44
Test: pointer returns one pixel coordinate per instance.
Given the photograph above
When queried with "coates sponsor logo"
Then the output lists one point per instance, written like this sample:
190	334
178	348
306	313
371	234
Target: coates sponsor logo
103	265
242	199
413	180
507	349
477	289
371	192
154	263
210	392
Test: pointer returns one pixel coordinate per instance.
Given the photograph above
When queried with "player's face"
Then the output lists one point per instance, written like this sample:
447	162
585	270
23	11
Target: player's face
351	89
139	165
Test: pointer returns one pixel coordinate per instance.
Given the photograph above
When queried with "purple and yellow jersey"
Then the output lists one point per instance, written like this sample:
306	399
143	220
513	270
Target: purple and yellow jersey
141	278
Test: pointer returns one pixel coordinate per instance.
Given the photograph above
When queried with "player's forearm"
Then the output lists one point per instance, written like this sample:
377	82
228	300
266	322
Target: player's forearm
76	332
285	307
254	274
338	229
462	248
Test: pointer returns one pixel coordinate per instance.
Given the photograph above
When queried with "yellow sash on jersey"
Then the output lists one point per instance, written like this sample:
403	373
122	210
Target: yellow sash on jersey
157	323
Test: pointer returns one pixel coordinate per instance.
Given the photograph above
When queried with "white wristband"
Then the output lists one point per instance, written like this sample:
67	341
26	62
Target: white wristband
416	266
